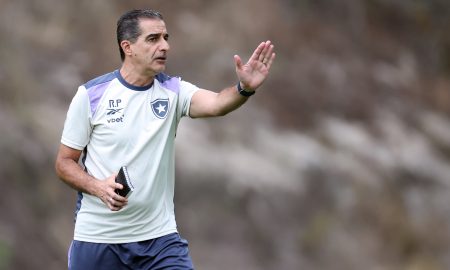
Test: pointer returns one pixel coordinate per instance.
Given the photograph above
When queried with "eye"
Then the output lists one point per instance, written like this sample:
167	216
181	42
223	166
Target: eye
166	37
152	38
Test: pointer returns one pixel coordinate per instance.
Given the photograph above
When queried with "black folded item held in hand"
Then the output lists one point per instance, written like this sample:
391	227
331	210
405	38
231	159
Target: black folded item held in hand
124	179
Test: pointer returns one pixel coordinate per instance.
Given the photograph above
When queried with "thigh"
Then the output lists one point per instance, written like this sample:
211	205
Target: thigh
168	252
93	256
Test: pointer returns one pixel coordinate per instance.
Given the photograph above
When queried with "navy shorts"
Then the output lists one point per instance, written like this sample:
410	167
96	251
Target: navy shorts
168	252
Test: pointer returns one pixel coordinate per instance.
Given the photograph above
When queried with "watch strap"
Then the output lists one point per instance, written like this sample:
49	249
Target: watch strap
243	92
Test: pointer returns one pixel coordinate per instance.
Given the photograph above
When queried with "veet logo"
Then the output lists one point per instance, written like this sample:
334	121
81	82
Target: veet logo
116	120
160	107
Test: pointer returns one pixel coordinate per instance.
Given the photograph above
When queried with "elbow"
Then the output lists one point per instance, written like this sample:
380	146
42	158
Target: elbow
210	113
58	167
221	112
61	166
65	161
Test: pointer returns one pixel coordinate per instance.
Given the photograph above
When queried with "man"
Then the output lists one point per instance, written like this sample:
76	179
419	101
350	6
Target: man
129	118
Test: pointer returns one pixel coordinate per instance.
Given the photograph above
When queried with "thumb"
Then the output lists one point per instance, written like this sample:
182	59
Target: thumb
237	62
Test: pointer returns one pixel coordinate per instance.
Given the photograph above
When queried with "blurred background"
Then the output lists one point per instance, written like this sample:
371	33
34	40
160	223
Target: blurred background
340	161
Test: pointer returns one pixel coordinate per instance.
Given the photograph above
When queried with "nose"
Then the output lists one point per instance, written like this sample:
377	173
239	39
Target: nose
164	45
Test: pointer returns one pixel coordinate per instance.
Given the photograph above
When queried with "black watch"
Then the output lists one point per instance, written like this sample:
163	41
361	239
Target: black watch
243	92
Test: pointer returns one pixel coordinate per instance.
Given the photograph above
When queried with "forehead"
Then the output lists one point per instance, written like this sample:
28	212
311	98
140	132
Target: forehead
149	26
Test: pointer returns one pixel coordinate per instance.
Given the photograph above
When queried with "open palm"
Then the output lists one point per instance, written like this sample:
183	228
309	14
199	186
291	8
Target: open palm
254	72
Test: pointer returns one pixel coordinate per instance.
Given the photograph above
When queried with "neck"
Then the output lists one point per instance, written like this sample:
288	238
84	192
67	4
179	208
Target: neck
135	76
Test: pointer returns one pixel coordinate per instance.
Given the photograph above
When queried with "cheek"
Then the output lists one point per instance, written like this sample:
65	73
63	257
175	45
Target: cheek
152	51
146	52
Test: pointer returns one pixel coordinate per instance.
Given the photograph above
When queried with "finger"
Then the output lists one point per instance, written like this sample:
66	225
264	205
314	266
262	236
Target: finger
115	205
269	63
110	204
115	208
117	185
264	51
115	198
257	52
120	199
268	53
111	178
238	61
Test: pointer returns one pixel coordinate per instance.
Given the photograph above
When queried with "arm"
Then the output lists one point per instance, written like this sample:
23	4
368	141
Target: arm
251	75
68	170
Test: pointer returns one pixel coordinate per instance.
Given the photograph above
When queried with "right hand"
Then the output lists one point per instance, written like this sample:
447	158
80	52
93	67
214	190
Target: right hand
106	193
252	74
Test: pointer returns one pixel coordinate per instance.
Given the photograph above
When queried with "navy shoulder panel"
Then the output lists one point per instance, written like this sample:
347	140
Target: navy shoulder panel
101	79
162	77
170	83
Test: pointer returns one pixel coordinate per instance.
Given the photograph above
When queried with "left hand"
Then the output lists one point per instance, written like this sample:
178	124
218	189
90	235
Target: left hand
254	72
107	193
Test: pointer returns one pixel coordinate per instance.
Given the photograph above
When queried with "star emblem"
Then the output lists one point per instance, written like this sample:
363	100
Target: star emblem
161	108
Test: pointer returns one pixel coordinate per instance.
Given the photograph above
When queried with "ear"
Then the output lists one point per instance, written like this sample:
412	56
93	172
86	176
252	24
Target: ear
126	47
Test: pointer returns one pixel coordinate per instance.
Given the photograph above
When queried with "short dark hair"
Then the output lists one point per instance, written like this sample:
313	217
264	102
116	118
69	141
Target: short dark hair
128	25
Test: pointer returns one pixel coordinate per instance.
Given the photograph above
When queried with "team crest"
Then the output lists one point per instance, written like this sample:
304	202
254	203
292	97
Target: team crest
160	108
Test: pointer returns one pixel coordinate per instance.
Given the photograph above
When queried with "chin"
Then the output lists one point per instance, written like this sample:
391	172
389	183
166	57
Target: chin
159	68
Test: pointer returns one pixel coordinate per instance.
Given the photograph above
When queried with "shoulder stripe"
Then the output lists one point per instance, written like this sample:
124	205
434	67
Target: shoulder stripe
96	88
100	80
95	93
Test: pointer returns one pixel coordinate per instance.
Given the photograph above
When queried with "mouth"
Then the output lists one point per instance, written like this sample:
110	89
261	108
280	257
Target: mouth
161	58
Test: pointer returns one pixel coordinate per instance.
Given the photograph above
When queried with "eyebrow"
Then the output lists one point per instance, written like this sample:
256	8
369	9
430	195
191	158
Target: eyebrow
156	35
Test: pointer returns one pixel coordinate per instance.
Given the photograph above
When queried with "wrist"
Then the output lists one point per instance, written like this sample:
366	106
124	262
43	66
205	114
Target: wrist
94	187
244	92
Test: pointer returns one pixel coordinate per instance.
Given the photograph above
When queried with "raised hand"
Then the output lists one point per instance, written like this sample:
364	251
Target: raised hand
255	71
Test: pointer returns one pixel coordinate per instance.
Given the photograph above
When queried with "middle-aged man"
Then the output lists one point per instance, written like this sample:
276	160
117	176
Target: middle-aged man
129	117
